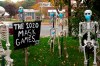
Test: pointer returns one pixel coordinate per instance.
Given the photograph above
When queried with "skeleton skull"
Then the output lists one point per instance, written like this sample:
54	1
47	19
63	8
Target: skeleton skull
2	11
88	14
20	9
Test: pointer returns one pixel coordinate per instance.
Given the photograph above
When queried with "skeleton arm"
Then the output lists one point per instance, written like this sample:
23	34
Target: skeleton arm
8	59
97	31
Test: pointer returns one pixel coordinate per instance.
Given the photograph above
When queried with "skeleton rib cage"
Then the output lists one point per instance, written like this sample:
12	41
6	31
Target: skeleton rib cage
88	27
85	28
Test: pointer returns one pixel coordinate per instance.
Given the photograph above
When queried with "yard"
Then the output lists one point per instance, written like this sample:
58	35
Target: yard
40	55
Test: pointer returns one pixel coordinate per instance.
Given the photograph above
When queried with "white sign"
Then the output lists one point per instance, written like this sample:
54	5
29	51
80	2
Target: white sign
45	4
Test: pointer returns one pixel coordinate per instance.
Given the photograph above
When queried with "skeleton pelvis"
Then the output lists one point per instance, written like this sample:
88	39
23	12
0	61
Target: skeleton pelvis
89	48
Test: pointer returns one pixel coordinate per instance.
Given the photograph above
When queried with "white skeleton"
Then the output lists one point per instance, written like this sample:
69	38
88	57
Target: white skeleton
4	35
89	27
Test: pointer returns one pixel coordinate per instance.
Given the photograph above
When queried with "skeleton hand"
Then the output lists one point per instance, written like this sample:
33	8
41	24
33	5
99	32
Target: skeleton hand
97	31
82	1
80	48
80	35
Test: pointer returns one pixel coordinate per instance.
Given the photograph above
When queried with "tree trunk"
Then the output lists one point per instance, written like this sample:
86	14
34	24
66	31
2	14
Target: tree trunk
69	15
10	18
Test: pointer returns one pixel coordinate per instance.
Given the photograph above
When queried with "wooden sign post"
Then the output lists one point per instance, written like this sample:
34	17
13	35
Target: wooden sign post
26	56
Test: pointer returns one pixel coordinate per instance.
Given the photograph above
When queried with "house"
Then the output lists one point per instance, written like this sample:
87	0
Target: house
30	14
46	7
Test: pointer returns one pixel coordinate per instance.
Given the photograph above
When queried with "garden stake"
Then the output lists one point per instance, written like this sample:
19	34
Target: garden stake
21	17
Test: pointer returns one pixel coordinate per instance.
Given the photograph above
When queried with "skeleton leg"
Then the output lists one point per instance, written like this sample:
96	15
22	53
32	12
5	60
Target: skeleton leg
49	42
95	63
11	64
65	51
97	44
85	60
59	47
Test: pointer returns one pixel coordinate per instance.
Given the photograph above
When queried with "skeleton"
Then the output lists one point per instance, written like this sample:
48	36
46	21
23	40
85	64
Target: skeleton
21	13
4	35
52	34
88	43
62	36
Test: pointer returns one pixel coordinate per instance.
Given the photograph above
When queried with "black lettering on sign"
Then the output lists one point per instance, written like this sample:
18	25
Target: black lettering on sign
26	34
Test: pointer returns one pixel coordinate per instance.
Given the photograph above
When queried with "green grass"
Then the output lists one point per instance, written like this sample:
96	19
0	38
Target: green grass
40	55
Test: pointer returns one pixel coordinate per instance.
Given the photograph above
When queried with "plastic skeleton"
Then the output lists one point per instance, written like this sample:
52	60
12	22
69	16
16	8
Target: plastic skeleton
4	35
86	30
61	45
21	13
52	34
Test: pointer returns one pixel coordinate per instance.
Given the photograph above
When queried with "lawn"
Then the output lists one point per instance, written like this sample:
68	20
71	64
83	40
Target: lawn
40	55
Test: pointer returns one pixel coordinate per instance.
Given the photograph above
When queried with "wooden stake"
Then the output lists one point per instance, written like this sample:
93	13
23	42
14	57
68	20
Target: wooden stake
26	56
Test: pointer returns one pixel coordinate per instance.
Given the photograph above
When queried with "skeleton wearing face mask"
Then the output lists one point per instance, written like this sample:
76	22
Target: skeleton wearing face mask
88	36
21	13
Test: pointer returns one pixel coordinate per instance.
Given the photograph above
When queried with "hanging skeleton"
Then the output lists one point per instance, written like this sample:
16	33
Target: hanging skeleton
88	36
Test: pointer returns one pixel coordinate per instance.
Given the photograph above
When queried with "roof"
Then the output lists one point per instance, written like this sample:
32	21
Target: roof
54	10
30	10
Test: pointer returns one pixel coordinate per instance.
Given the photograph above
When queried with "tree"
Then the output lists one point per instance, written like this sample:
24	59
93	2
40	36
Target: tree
28	3
11	9
79	13
96	8
58	4
2	3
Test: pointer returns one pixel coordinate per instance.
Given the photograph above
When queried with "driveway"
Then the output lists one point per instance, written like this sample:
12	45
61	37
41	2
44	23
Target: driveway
45	30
